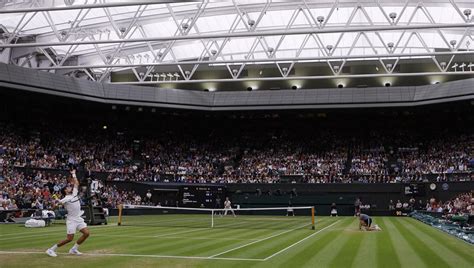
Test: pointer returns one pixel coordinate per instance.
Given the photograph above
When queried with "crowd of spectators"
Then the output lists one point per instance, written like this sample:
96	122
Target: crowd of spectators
110	197
459	210
368	163
460	205
37	190
267	157
60	149
32	191
261	157
438	157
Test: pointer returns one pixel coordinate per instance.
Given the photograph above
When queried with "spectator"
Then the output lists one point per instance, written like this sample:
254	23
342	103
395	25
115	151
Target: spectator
391	206
266	156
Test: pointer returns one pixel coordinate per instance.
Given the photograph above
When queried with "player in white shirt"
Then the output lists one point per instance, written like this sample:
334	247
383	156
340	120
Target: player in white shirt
74	221
228	206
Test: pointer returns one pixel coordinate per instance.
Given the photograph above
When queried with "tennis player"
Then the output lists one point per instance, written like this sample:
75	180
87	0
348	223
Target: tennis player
228	206
365	222
74	221
290	211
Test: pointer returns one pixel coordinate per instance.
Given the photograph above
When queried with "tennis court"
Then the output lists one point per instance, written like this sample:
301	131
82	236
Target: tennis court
246	241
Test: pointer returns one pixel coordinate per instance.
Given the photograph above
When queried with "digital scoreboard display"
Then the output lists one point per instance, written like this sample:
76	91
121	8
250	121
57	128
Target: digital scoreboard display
202	196
415	189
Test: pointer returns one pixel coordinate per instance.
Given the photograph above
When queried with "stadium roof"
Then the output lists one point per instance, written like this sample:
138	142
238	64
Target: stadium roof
165	42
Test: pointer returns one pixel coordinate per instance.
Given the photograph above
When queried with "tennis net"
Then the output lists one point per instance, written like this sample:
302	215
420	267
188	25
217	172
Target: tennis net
261	218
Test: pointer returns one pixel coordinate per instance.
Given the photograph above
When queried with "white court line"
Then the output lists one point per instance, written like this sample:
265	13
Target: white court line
56	230
61	231
296	243
195	230
42	231
135	255
176	237
256	241
212	238
47	232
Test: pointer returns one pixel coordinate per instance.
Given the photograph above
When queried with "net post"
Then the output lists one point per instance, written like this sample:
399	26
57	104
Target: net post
312	218
120	208
212	218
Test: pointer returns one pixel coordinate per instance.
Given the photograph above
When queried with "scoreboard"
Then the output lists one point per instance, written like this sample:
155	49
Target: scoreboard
202	196
415	189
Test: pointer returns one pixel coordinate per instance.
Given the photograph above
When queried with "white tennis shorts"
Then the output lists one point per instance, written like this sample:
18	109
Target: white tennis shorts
227	210
75	224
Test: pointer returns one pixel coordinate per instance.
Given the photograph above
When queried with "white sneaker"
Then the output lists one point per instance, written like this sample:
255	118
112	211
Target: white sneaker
75	252
51	253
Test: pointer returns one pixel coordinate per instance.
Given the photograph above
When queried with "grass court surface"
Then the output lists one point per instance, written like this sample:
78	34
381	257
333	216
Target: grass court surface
246	242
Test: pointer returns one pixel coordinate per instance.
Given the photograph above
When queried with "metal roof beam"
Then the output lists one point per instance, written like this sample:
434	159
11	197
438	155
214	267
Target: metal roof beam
104	5
251	34
269	60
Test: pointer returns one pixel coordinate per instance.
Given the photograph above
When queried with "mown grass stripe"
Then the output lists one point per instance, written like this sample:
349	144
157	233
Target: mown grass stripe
274	245
263	226
317	252
367	249
203	247
265	248
140	245
464	250
198	249
423	250
241	233
168	231
403	248
295	244
62	230
267	238
190	247
174	237
42	260
92	243
260	249
103	244
147	246
273	233
302	258
162	219
348	251
109	241
449	253
389	248
13	232
384	247
27	237
45	240
254	234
